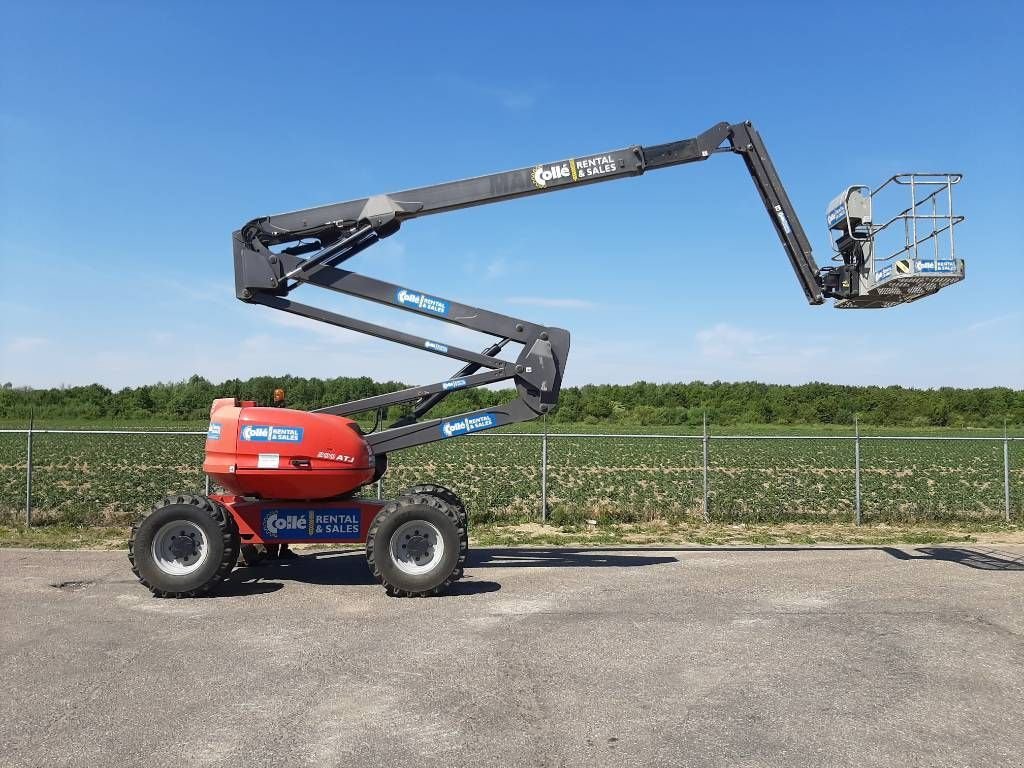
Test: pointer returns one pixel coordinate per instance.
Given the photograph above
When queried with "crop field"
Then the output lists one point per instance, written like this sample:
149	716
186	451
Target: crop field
84	479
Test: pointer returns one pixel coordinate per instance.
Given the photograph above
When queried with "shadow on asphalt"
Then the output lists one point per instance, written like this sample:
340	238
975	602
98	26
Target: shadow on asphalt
529	557
979	559
348	567
331	568
987	560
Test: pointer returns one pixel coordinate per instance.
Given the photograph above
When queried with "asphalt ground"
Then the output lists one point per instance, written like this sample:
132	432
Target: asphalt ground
540	657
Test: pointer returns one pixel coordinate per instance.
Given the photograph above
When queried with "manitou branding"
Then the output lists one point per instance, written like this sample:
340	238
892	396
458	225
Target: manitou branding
421	301
455	384
312	524
468	424
434	346
213	431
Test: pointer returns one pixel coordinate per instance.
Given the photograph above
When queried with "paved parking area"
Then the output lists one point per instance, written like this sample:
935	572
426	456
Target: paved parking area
541	657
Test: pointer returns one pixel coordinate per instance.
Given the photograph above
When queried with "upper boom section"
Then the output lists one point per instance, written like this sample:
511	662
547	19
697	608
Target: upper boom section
342	229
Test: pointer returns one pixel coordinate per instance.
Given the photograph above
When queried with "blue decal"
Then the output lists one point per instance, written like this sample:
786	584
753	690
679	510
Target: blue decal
942	265
468	424
435	346
455	384
213	431
267	434
882	274
837	213
422	301
311	523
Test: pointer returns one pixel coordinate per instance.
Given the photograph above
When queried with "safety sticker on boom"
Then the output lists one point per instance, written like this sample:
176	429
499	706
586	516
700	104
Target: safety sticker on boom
312	524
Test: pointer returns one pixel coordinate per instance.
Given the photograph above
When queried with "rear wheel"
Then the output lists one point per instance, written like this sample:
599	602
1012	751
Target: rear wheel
184	547
416	545
448	496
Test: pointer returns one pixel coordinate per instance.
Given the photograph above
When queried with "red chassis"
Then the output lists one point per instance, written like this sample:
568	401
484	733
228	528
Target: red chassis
344	521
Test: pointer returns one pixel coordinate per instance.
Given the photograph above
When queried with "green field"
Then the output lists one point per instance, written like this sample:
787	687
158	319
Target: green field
93	479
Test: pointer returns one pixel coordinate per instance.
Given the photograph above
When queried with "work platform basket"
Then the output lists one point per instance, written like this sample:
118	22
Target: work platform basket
906	256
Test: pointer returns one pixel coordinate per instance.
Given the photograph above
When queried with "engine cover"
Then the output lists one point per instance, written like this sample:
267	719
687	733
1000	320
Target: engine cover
279	453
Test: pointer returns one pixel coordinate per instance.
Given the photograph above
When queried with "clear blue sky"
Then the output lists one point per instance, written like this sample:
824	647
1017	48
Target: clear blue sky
136	136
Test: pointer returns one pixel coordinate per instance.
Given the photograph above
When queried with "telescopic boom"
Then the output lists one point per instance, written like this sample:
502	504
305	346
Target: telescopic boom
324	228
276	254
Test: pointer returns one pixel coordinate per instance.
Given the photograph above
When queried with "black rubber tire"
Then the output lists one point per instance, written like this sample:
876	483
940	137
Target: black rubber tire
378	550
450	497
253	554
221	534
447	495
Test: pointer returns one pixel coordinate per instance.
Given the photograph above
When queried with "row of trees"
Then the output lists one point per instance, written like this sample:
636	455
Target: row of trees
643	403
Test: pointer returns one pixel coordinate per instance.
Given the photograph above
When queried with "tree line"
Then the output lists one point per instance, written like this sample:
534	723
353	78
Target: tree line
642	403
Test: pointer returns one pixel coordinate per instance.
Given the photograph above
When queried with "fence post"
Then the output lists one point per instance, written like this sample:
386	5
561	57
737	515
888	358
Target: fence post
544	472
856	472
1006	473
28	474
380	489
704	441
207	488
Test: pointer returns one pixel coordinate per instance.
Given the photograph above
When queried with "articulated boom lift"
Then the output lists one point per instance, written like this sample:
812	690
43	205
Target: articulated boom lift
291	476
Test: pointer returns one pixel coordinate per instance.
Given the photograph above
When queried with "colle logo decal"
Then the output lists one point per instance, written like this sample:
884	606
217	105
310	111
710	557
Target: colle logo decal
270	434
574	169
560	172
468	424
422	301
312	524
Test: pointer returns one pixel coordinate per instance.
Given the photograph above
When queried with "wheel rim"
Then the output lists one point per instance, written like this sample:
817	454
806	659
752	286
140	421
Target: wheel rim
417	547
180	547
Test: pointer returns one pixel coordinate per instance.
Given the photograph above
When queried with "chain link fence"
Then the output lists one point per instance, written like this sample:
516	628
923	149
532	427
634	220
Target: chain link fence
89	477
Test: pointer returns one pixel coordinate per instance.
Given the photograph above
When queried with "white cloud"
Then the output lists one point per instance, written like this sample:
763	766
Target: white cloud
543	301
22	344
992	322
497	268
725	341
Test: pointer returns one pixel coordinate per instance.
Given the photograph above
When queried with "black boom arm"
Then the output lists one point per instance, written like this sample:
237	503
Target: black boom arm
276	254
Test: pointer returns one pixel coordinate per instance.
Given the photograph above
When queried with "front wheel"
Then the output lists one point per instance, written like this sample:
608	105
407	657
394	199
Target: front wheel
184	547
416	546
449	497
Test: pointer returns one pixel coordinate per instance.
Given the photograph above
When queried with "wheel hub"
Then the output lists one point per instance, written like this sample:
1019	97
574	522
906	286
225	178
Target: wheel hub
417	547
179	547
183	546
